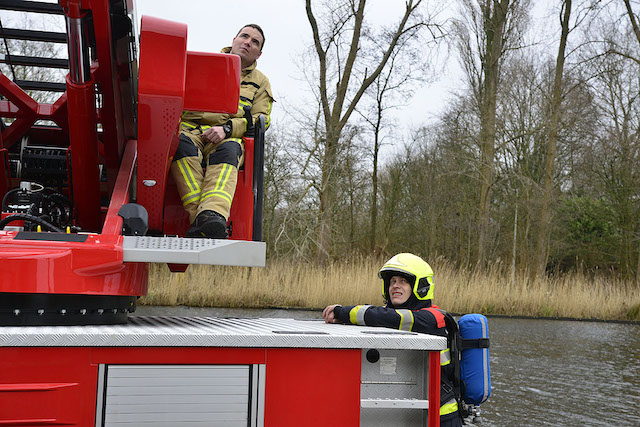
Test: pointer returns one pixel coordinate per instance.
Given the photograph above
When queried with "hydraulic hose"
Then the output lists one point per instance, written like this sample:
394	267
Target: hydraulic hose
32	218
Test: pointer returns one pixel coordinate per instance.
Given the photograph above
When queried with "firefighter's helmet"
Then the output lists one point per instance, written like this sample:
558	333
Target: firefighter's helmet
417	272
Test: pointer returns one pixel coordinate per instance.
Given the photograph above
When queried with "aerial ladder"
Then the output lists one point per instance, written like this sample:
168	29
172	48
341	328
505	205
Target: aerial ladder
87	198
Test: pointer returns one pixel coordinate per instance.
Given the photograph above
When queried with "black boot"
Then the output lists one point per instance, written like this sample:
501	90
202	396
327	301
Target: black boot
208	224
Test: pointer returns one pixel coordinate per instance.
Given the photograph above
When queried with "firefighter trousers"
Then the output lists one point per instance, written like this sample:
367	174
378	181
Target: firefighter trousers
206	174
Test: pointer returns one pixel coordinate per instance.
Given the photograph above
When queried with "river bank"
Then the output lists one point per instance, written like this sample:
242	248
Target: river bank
308	286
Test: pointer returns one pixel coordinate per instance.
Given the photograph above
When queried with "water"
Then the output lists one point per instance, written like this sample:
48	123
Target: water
543	372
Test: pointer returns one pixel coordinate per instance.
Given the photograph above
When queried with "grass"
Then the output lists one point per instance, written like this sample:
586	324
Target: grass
305	285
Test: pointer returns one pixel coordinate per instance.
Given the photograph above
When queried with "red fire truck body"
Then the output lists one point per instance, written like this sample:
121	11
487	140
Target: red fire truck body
74	254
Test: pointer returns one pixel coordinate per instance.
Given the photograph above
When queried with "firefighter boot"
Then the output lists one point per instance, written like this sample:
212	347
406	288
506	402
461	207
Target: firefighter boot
208	224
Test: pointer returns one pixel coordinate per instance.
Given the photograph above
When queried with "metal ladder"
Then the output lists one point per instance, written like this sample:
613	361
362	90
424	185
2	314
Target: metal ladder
36	36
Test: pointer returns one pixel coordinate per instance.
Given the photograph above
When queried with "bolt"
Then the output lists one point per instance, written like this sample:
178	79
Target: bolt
41	311
16	312
83	311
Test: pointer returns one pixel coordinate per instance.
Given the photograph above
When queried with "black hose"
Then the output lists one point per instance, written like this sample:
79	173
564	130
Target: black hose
6	197
32	218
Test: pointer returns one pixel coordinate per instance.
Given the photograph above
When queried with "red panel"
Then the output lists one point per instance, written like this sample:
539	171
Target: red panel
311	387
47	386
83	137
241	217
120	195
434	389
179	355
91	267
163	61
213	82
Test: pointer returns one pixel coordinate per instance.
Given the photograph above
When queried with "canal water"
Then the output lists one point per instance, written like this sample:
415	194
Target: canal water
543	372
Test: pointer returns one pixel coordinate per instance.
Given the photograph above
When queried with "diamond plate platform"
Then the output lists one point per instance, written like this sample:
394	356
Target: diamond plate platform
169	331
179	250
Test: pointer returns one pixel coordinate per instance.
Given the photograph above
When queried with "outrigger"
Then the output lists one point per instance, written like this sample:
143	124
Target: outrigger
88	203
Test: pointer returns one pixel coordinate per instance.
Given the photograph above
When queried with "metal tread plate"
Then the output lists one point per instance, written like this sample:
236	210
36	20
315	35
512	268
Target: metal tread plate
170	331
395	403
180	250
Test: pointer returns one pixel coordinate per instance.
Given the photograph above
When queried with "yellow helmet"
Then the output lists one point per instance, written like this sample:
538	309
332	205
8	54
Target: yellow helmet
415	269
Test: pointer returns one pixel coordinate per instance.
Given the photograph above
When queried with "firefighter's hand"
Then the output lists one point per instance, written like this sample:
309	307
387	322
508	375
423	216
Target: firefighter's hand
214	134
328	315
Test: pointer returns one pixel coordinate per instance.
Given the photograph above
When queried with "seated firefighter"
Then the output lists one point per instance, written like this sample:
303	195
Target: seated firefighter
408	291
214	142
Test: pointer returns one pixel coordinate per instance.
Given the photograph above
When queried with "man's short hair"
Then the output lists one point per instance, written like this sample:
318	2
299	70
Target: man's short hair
257	27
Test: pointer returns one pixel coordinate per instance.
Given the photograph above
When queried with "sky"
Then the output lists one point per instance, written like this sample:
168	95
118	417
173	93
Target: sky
212	25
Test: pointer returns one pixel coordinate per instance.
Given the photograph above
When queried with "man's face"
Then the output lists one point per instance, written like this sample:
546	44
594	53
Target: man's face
399	290
247	45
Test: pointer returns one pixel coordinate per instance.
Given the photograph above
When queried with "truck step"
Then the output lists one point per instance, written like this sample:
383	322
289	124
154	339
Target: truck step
180	250
394	403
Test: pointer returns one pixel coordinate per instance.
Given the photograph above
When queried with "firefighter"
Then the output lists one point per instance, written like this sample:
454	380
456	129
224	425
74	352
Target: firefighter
408	293
214	142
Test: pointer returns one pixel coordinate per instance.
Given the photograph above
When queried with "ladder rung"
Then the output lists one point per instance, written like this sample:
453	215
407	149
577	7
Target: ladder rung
45	86
31	6
36	36
35	61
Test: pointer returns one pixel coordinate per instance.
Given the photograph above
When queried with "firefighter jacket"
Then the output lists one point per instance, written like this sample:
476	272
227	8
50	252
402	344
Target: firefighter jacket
255	92
426	320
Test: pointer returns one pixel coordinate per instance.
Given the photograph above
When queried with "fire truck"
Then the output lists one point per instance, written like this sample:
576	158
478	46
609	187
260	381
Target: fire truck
87	204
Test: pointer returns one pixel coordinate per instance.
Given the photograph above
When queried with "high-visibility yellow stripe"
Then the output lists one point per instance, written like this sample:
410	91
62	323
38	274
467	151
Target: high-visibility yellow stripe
190	199
267	122
223	177
189	179
356	315
449	407
192	126
222	194
406	320
445	357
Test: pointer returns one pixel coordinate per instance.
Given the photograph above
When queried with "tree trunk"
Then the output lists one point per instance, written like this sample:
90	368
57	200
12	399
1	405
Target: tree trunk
555	113
495	19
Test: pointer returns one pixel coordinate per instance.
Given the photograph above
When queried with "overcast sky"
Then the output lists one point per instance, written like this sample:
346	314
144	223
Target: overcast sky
212	25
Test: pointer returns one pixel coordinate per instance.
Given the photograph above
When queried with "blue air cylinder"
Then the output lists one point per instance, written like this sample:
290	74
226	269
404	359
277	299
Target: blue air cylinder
474	366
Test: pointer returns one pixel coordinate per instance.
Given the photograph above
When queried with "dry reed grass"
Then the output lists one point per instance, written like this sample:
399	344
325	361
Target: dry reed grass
305	285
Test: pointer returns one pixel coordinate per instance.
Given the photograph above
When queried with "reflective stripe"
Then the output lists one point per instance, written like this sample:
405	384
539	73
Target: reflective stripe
449	407
485	360
220	193
406	320
218	190
445	357
356	315
190	198
189	179
267	122
244	103
192	126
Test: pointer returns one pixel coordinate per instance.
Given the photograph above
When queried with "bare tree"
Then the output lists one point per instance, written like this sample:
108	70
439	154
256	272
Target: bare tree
552	136
32	49
489	29
351	68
